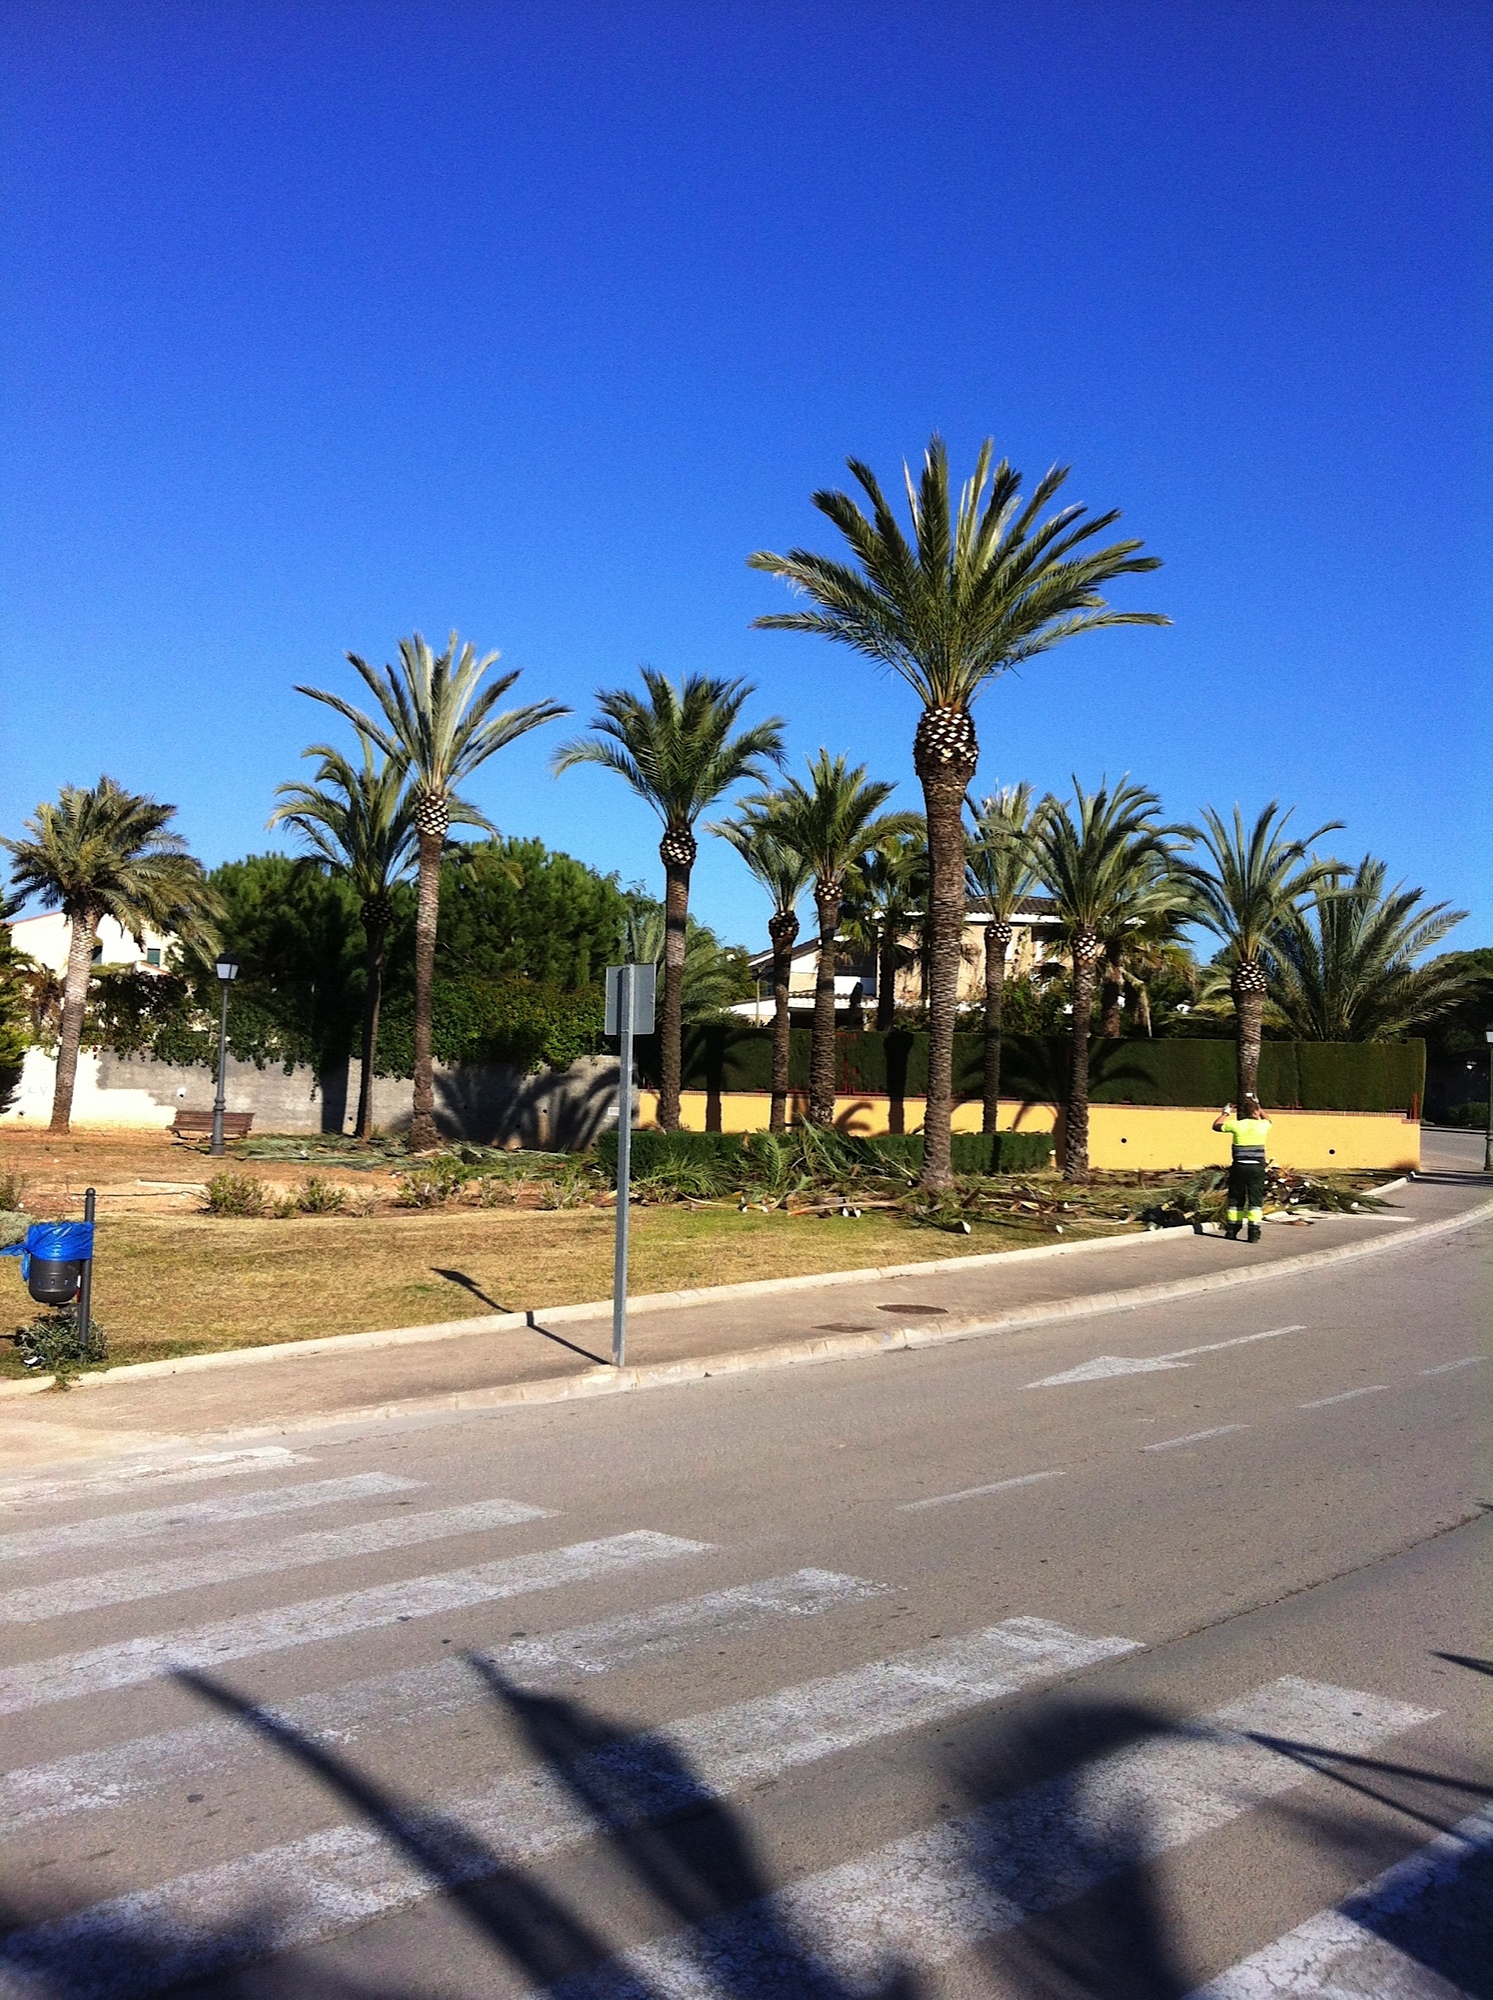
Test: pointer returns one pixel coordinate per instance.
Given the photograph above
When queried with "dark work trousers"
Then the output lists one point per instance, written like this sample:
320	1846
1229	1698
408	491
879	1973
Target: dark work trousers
1247	1191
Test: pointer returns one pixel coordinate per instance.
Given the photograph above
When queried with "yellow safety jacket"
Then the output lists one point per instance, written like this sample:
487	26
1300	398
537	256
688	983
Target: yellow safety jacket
1249	1136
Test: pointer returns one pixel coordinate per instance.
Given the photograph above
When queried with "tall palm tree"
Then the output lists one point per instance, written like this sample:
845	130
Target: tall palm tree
360	824
676	749
1148	914
979	589
785	875
1246	893
1089	862
999	870
105	852
1344	969
830	823
886	902
433	717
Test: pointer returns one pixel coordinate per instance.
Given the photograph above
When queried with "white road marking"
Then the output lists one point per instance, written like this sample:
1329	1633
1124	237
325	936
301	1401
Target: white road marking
128	1662
1340	1951
925	1900
103	1530
1344	1396
340	1716
328	1882
1446	1367
1106	1365
182	1471
28	1603
1195	1437
977	1492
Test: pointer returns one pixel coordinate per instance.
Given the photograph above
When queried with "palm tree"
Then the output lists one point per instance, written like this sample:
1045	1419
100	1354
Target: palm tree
830	824
977	591
675	748
785	875
435	721
712	977
360	825
1147	916
1246	895
1345	971
886	902
105	852
1090	864
999	870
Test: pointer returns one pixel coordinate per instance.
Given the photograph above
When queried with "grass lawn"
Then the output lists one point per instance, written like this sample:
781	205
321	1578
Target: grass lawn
169	1285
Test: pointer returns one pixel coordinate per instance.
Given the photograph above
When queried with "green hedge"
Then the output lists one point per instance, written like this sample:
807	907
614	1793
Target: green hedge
653	1151
1307	1076
974	1152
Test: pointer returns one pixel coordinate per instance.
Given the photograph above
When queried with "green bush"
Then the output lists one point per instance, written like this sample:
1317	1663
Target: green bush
236	1194
975	1152
663	1153
710	1161
1474	1117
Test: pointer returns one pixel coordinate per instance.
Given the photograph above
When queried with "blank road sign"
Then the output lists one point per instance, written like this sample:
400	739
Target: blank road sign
643	980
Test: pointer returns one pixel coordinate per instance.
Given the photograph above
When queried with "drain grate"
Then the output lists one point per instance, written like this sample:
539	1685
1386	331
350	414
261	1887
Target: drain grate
912	1306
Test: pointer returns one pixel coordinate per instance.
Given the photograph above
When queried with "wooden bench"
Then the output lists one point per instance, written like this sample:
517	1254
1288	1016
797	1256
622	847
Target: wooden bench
199	1124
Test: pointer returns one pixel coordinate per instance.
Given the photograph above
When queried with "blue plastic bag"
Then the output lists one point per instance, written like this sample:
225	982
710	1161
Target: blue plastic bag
53	1242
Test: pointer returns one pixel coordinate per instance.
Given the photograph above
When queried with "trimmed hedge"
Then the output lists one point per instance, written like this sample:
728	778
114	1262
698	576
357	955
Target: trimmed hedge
974	1152
1305	1076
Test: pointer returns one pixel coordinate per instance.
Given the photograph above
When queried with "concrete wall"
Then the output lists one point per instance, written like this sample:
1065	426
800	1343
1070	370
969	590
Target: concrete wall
1120	1135
488	1106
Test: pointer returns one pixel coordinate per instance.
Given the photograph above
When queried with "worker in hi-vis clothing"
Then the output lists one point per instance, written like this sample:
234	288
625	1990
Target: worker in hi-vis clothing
1248	1130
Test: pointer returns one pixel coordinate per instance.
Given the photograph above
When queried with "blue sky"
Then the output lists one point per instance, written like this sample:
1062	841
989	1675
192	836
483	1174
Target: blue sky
325	324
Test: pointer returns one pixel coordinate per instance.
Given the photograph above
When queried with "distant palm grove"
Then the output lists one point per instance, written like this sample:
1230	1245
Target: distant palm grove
386	936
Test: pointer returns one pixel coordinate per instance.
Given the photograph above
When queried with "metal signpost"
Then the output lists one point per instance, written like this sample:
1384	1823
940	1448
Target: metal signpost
1488	1140
629	1012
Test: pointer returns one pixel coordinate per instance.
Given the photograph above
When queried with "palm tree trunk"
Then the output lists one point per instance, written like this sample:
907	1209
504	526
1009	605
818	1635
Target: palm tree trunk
886	978
1248	985
944	755
997	942
1086	950
783	930
677	851
74	1006
822	1048
1109	999
423	1135
374	935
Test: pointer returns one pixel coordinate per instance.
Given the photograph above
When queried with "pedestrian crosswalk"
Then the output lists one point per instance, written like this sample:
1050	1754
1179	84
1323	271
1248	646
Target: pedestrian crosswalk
917	1902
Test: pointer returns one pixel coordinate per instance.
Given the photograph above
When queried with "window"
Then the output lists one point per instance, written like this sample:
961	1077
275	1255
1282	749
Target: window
153	955
98	954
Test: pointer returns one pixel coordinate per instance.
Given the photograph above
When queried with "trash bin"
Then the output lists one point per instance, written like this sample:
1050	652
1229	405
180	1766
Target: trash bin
52	1258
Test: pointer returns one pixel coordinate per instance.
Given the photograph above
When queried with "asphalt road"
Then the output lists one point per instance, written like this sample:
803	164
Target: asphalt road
1120	1657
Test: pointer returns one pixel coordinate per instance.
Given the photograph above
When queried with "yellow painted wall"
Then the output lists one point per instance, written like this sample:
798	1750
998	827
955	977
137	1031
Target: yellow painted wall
1120	1135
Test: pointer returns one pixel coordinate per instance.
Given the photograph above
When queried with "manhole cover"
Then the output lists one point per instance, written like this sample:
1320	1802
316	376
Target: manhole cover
844	1326
912	1306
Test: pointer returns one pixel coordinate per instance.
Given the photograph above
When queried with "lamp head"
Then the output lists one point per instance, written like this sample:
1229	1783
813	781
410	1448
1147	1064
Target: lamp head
227	968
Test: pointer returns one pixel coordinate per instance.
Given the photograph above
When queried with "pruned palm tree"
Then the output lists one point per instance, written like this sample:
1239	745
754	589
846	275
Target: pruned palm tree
1247	893
999	870
785	875
711	978
886	902
1344	969
1089	860
359	824
830	823
980	587
676	748
435	719
105	852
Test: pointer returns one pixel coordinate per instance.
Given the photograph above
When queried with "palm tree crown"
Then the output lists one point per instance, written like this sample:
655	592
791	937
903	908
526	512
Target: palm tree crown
785	875
998	865
358	823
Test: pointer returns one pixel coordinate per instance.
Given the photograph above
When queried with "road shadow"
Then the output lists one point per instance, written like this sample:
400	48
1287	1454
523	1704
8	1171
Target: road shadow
469	1284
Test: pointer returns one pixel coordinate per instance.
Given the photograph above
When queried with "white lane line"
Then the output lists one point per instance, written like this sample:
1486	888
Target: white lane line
925	1900
977	1492
1106	1365
308	1890
1343	1952
124	1479
1194	1437
90	1779
106	1529
28	1603
1344	1396
1446	1367
131	1661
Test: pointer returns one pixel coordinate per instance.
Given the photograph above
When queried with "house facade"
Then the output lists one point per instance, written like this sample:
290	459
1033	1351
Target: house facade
45	939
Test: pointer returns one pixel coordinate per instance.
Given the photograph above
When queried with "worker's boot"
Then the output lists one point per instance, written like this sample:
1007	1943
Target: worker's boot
1231	1230
1254	1232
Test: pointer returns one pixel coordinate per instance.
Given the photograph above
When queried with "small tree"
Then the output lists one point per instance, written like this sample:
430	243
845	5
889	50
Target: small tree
105	852
676	749
830	824
785	875
434	719
999	870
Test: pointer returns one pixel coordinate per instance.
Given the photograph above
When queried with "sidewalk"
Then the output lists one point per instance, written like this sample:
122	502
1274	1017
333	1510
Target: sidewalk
486	1362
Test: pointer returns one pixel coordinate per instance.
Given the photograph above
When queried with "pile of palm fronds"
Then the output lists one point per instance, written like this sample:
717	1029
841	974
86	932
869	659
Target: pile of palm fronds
1203	1197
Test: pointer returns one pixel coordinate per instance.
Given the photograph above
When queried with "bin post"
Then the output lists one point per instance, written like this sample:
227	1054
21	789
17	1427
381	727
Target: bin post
85	1285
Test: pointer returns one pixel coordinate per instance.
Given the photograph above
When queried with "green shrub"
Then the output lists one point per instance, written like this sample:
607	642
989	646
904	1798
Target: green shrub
704	1163
975	1152
431	1183
12	1191
1474	1117
236	1194
655	1153
316	1196
51	1343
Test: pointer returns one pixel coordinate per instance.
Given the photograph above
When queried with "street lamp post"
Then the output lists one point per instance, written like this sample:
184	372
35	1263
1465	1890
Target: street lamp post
1488	1137
227	970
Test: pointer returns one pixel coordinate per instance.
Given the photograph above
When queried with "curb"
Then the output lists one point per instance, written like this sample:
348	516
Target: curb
858	1346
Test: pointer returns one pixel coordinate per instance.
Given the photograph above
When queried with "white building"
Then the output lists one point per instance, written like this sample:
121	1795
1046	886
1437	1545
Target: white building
45	939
